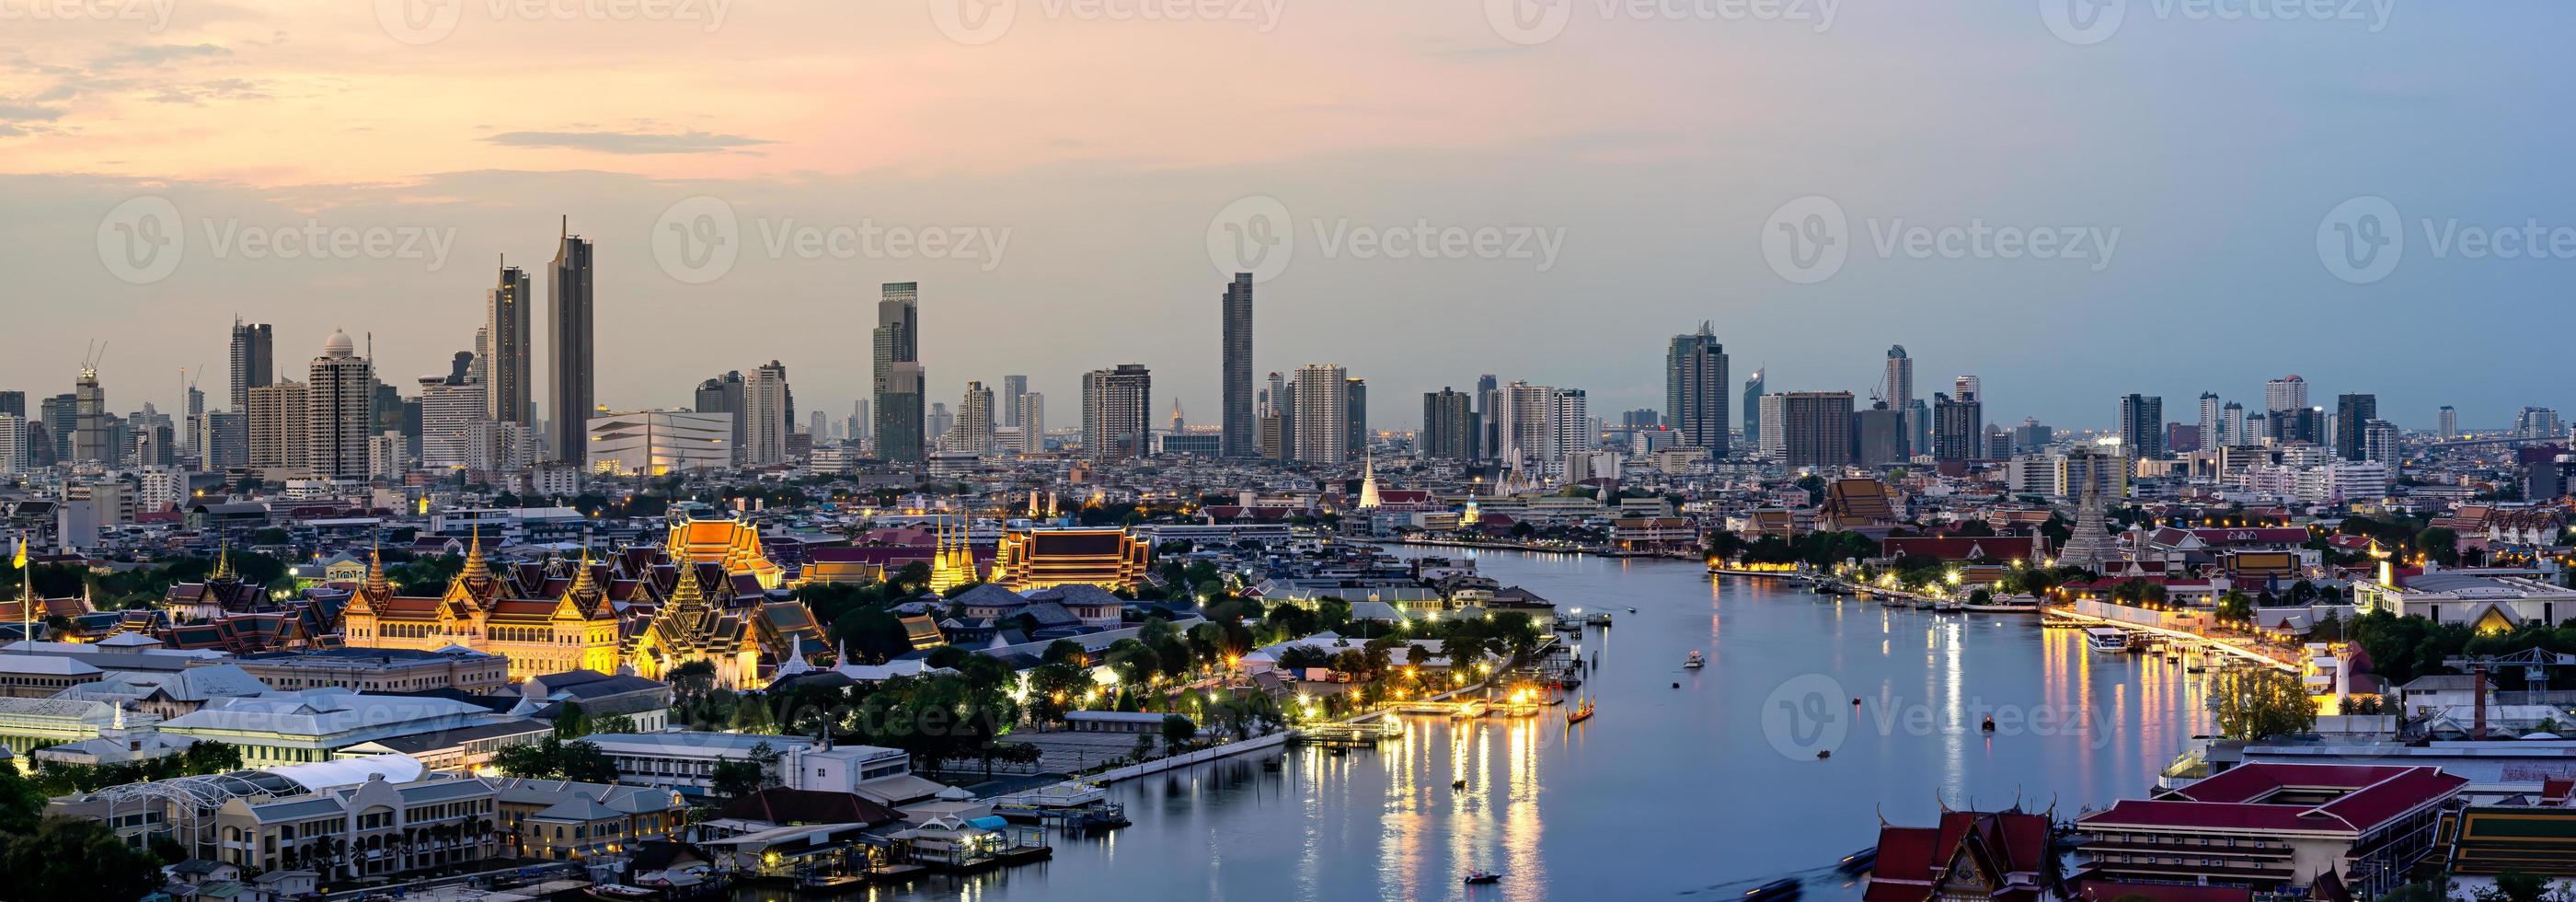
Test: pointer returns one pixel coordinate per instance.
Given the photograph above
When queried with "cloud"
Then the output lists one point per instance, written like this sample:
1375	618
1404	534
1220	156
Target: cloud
629	142
22	111
156	54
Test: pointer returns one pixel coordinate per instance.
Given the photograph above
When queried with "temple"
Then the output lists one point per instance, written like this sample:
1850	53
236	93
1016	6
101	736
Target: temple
1044	558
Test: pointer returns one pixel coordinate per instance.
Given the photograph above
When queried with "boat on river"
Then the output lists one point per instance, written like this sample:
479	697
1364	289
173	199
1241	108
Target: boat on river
1582	712
2106	639
1783	888
1695	661
1480	876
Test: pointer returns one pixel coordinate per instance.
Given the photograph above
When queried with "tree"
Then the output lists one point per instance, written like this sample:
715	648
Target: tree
1178	730
2261	704
554	758
2440	544
2235	607
73	858
2516	886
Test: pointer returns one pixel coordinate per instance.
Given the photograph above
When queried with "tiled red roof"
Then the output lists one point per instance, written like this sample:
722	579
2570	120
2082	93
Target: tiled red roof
2372	796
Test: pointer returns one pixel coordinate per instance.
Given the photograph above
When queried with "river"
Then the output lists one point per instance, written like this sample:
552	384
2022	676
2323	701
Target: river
1688	791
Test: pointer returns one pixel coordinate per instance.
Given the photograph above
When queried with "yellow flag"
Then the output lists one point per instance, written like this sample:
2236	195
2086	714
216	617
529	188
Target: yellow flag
20	561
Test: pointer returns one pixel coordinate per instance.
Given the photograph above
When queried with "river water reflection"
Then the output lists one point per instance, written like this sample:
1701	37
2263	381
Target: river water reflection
1672	791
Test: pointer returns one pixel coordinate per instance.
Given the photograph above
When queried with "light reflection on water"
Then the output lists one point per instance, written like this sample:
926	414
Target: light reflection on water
1670	792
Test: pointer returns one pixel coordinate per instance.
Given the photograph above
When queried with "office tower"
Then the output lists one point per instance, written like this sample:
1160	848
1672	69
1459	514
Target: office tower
819	428
222	440
2353	413
1918	427
1695	390
861	419
571	298
975	419
2142	426
897	340
2536	422
1999	442
1878	436
279	417
2446	423
1815	429
14	436
1521	414
2211	419
1033	421
766	415
1322	414
90	441
1896	386
509	398
2379	443
339	396
1355	417
1958	426
14	403
723	394
1448	425
1117	412
1488	399
2232	426
466	367
902	412
254	360
192	407
61	417
1240	437
1753	411
2286	393
1012	388
2030	436
1968	388
940	422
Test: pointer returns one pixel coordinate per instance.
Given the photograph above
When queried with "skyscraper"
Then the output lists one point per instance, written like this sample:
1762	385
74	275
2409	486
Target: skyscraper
1753	410
90	440
1033	421
897	341
1570	430
1522	415
2231	425
1241	437
1012	388
1968	388
570	296
2211	418
13	403
1815	428
1448	425
2353	413
1355	417
2142	426
723	394
279	415
1695	390
1958	427
1896	386
2446	423
1117	412
975	419
508	397
339	396
1877	439
254	360
2286	393
766	415
1322	414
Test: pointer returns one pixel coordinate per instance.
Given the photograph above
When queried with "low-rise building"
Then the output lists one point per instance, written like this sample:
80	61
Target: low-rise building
686	761
2275	827
369	670
561	820
313	725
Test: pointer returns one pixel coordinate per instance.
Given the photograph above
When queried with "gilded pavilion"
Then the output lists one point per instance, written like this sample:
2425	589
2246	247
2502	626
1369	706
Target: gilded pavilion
703	595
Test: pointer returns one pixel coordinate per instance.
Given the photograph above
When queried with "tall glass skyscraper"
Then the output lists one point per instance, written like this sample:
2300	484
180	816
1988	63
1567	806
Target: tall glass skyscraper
899	388
1241	436
570	299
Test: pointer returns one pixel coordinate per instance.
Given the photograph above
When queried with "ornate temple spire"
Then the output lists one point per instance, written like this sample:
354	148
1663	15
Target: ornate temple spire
1368	481
475	571
223	563
377	584
584	589
687	594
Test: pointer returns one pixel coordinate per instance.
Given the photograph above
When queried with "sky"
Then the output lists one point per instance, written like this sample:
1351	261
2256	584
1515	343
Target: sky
2071	199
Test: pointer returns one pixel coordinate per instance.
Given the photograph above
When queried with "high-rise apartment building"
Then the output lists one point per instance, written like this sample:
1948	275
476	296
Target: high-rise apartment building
279	417
1968	388
1033	422
1322	413
1570	431
897	341
1240	436
1696	388
2142	426
1012	388
254	360
1878	438
2211	420
1753	411
1355	417
1896	387
448	411
766	415
14	403
2446	423
1523	415
90	440
1815	428
339	401
2286	393
1448	425
2233	428
570	295
975	420
1117	412
509	397
1958	427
